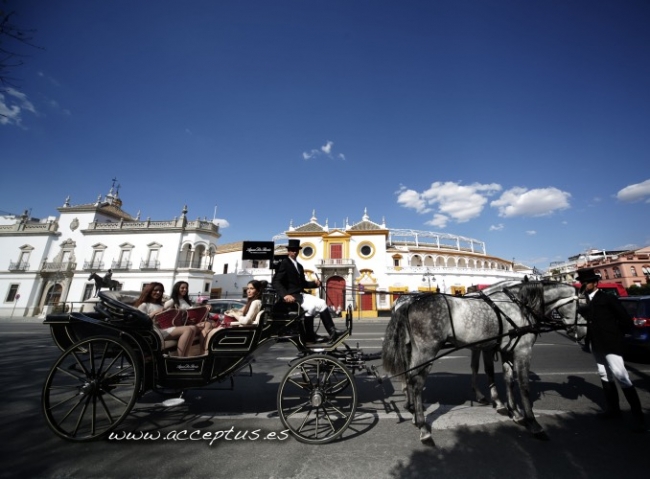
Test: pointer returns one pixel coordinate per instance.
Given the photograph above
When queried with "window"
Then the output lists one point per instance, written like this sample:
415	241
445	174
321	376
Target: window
225	268
336	251
152	259
95	261
367	250
633	271
124	262
11	295
88	292
307	251
617	272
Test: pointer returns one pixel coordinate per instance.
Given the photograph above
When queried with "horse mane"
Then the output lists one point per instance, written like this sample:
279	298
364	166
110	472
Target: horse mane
531	293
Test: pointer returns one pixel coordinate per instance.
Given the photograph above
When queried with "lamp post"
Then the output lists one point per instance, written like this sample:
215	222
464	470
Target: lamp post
428	277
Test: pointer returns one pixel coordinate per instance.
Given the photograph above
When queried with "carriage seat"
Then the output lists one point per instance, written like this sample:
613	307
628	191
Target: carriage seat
114	305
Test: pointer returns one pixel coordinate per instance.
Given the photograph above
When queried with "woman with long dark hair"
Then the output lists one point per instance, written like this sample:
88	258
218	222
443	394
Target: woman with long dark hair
150	302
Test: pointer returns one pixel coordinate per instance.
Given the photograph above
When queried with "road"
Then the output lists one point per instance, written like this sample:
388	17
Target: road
472	441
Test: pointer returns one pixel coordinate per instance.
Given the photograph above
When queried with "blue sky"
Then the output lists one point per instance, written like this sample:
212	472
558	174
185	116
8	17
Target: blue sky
525	125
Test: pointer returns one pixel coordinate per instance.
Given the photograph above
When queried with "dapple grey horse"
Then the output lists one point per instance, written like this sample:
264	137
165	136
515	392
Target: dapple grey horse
509	320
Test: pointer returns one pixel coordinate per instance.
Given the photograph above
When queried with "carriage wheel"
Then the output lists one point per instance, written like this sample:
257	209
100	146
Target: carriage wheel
317	399
91	388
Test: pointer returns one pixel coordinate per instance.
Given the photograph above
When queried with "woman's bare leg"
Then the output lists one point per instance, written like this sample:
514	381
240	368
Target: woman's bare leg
185	336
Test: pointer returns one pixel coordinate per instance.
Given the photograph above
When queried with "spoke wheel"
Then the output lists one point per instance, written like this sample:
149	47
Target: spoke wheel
317	399
91	388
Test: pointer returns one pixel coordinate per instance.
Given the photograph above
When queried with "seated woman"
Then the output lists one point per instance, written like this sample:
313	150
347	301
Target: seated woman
150	302
253	306
181	300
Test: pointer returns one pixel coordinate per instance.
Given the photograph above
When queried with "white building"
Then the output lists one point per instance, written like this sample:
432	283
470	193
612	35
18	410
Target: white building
48	263
365	265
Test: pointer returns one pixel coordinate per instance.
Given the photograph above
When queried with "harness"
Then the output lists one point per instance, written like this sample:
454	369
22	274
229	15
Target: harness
537	323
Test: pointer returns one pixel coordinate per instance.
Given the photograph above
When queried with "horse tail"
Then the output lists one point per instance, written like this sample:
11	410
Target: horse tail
396	349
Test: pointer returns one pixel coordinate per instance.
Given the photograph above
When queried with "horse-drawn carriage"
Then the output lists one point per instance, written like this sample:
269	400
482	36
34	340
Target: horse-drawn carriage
113	356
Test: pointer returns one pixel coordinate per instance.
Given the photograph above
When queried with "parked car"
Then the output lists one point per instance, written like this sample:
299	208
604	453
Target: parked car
218	306
638	307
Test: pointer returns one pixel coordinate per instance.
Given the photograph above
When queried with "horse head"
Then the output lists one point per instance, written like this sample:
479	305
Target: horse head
551	301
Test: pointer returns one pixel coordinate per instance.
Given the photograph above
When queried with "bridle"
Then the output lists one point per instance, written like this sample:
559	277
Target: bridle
547	322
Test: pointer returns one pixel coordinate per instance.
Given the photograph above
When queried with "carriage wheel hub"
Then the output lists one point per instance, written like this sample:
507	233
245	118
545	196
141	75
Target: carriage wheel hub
316	398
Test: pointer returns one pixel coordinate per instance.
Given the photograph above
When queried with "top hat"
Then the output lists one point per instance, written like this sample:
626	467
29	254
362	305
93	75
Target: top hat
587	275
294	244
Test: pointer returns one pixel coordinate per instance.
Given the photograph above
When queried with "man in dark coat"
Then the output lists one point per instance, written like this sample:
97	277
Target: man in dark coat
289	281
608	322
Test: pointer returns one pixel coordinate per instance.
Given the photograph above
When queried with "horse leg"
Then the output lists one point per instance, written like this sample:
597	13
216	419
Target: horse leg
408	393
508	376
480	398
488	366
417	384
522	365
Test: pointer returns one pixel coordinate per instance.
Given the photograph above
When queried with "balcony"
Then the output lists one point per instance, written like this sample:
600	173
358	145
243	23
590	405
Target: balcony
121	265
58	266
337	263
18	266
149	264
93	265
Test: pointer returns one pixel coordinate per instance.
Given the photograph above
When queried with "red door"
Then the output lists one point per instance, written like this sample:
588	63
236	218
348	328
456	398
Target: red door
366	301
336	292
336	251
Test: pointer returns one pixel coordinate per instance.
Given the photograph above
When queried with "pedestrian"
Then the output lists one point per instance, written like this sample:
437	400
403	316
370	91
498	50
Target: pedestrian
289	282
608	322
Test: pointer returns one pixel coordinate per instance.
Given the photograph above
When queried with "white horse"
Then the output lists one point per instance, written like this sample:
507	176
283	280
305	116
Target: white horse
509	320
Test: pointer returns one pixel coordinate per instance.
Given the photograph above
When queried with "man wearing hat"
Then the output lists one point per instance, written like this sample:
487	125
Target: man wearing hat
289	281
608	322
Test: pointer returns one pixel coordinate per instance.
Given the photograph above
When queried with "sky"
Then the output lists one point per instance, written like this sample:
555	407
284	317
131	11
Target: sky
525	125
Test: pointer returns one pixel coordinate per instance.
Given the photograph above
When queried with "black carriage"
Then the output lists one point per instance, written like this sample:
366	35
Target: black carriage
113	356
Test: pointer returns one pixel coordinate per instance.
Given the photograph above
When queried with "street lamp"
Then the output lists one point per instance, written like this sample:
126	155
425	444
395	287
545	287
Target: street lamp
428	277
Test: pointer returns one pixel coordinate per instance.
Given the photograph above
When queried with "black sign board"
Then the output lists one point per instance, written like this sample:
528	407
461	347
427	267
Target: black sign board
262	250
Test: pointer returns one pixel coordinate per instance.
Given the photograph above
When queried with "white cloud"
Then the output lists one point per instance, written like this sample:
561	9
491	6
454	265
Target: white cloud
323	151
12	106
452	201
327	148
635	192
531	232
519	201
498	227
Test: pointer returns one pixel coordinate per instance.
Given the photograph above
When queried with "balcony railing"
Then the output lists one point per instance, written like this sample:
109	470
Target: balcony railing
149	264
189	264
121	265
336	262
18	266
59	266
93	265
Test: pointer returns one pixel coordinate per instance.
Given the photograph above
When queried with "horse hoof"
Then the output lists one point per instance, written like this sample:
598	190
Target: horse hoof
482	402
520	421
503	411
427	440
542	436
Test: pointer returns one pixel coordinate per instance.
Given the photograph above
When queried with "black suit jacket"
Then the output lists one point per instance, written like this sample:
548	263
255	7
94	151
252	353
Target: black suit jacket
608	322
289	280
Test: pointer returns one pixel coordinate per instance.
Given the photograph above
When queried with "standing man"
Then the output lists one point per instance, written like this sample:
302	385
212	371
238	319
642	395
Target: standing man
608	322
289	281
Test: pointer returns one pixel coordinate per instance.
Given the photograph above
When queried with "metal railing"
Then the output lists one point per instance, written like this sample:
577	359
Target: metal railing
18	265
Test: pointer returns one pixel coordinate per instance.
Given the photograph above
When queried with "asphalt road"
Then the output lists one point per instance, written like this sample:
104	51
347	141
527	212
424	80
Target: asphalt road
471	441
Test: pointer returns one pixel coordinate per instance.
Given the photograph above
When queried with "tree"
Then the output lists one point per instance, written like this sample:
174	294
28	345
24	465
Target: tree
12	36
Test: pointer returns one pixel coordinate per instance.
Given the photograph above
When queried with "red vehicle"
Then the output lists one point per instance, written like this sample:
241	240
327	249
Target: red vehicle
612	288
